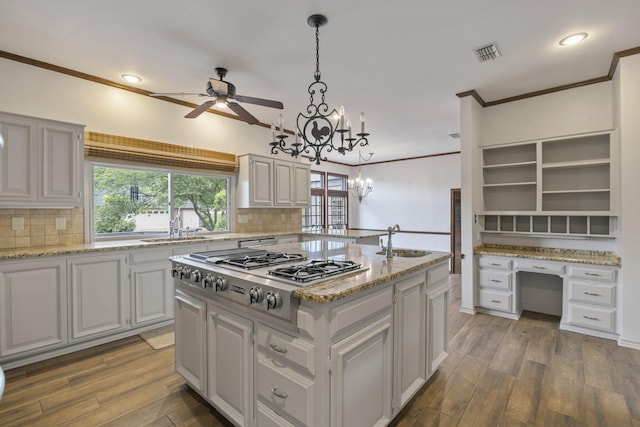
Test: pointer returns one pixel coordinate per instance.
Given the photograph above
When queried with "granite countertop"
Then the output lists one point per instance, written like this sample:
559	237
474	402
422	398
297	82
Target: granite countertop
376	269
109	245
552	254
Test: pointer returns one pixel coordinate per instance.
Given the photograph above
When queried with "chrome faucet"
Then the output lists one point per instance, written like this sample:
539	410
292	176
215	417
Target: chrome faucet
174	226
391	231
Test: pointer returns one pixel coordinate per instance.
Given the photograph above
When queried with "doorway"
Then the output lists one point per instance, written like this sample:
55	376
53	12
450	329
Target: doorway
456	228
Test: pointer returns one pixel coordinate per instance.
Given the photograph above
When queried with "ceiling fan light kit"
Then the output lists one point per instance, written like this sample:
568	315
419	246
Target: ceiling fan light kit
318	126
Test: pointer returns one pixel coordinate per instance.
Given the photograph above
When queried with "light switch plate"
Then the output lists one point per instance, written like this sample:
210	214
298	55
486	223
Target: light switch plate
61	223
17	223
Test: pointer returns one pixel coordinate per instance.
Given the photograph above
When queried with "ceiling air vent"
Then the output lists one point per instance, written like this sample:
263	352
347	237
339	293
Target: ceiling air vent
487	52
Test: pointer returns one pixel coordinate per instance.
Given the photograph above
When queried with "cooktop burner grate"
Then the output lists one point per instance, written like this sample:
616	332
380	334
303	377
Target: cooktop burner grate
265	260
314	270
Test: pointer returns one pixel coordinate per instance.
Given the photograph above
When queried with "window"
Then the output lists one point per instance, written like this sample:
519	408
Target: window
329	208
142	201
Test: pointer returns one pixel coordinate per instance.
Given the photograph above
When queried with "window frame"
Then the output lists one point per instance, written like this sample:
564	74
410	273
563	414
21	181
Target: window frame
89	226
326	193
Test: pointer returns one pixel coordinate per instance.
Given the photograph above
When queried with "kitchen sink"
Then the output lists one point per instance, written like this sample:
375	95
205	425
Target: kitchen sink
173	239
406	253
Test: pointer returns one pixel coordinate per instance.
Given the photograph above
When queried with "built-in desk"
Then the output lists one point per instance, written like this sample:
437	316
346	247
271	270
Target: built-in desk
579	286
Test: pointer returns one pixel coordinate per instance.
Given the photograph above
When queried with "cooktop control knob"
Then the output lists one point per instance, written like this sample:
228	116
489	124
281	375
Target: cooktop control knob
196	276
272	301
255	295
221	283
207	282
185	272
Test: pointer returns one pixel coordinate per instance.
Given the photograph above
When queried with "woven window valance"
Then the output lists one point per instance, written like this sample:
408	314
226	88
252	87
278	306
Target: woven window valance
101	147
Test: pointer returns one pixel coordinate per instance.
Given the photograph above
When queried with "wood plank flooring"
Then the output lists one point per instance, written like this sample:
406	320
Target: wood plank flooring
499	373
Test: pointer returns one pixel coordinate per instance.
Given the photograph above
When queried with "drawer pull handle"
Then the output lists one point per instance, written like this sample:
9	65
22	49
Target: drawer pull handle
496	264
496	281
277	349
278	393
539	267
593	294
591	318
592	274
495	300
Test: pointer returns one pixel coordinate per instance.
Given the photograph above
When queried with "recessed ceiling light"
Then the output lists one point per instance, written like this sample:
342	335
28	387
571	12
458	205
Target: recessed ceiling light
131	78
573	39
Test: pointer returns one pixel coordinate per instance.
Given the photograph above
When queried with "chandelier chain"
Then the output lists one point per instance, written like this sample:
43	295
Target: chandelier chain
317	73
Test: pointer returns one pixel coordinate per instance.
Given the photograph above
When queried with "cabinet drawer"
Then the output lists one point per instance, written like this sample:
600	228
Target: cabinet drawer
345	315
496	279
601	318
277	345
540	266
438	274
285	391
265	417
495	262
590	292
149	256
594	273
496	300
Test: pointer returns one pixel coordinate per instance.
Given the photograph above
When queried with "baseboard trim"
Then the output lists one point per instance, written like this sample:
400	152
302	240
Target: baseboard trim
629	344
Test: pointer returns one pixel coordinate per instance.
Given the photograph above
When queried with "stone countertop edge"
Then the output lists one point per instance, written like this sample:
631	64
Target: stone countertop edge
578	256
109	245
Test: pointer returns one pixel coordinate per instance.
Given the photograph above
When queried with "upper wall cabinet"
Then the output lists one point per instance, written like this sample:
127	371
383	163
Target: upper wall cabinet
568	176
265	182
41	163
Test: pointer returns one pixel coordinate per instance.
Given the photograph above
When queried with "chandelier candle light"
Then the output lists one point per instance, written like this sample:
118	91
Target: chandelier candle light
361	188
317	128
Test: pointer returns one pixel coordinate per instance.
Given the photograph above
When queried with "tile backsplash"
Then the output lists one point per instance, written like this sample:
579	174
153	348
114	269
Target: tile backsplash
258	220
37	227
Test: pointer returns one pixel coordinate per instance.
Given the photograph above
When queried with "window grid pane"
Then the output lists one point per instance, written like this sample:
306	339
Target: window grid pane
337	215
312	216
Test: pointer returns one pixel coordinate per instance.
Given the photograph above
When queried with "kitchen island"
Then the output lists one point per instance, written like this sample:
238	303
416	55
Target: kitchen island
361	345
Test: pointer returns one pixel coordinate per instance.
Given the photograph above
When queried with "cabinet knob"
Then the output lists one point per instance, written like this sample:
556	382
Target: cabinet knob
278	349
278	393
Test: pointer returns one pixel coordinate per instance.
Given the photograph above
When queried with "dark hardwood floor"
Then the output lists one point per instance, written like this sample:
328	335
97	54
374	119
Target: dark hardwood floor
499	373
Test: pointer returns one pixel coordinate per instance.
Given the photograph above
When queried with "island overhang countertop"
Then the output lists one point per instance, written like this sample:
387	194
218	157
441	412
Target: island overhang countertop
375	271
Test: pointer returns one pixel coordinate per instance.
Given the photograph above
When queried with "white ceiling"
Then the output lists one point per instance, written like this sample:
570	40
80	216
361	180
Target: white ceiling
401	62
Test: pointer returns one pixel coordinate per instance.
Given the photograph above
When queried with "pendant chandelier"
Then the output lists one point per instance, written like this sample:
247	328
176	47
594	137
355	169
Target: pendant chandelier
361	188
317	128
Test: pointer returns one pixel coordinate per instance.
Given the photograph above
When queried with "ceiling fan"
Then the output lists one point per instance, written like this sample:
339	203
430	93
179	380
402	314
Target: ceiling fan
223	92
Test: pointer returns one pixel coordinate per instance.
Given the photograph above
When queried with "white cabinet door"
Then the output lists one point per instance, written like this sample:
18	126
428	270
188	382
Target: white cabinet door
409	338
302	185
437	326
260	182
41	163
32	306
60	163
190	332
99	295
18	159
284	184
152	292
361	377
230	364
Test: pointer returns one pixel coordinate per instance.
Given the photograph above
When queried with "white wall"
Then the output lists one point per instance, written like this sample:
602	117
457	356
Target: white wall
37	92
580	110
628	116
415	194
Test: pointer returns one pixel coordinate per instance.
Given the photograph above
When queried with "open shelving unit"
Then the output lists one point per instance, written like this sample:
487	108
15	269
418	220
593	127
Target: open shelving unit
559	186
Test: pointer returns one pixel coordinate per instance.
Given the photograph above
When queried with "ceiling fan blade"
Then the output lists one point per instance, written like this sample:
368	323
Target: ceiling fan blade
199	110
259	101
244	114
178	94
